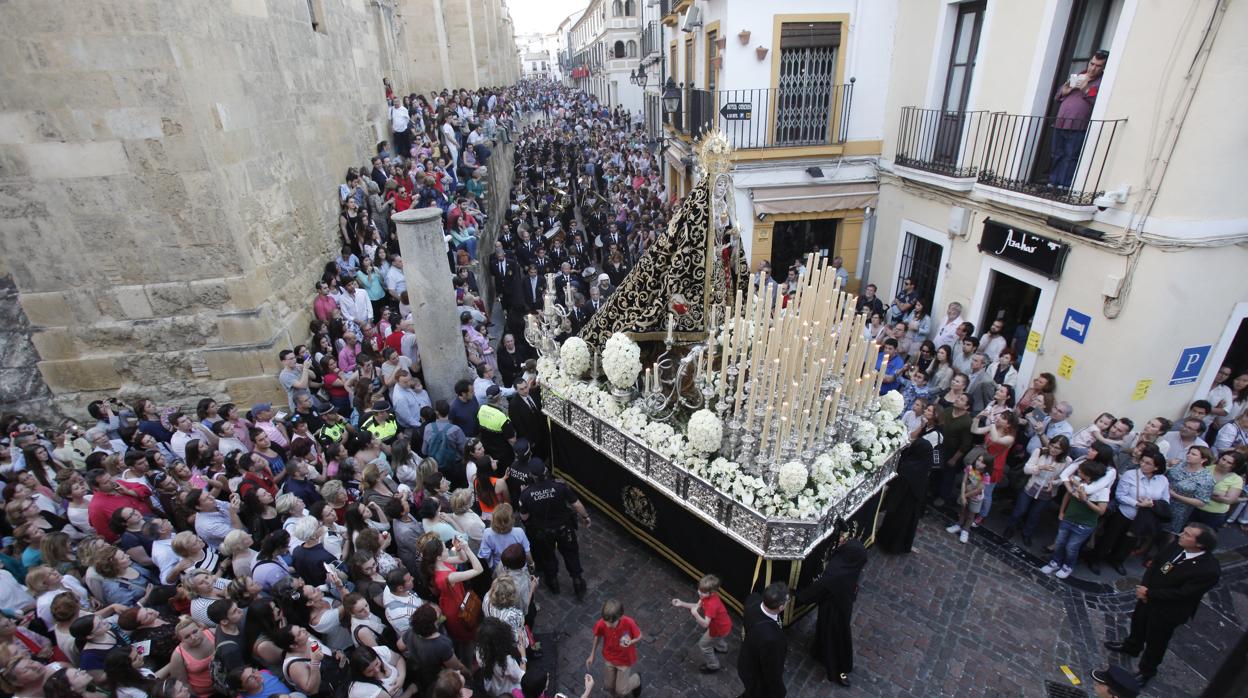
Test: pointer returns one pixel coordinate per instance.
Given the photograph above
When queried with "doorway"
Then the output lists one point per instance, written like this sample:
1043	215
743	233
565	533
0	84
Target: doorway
1014	302
791	240
1090	28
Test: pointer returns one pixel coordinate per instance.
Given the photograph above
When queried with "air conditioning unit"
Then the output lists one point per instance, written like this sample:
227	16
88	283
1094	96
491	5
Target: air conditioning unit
693	19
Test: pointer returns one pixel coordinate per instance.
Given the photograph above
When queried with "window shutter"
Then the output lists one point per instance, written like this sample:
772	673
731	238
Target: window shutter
810	34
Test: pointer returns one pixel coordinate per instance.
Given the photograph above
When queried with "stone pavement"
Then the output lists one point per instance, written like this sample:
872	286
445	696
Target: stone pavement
947	620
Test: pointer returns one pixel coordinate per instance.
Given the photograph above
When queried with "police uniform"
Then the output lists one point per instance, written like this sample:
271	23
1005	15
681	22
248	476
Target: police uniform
496	431
386	431
332	433
551	526
523	472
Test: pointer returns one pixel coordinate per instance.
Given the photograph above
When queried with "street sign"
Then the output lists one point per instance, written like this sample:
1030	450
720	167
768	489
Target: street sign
1191	361
1075	325
737	111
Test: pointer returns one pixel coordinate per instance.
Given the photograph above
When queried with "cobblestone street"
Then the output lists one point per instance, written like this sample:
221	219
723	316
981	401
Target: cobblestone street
947	620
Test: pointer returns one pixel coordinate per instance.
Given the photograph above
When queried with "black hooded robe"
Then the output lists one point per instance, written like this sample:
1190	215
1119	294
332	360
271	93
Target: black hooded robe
905	497
834	592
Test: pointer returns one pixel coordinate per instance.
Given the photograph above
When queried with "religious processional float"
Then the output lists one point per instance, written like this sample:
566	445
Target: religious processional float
762	416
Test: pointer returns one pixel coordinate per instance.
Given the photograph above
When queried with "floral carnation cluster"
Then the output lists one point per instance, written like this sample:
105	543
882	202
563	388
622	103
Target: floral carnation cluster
706	431
621	361
574	357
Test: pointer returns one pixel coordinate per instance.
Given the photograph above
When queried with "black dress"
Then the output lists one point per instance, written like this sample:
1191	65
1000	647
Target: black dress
905	497
834	592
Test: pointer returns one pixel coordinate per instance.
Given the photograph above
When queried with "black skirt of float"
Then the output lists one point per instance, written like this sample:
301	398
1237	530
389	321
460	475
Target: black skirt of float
694	545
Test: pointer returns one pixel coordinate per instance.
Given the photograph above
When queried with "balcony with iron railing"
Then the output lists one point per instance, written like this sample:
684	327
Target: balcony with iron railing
1057	160
769	117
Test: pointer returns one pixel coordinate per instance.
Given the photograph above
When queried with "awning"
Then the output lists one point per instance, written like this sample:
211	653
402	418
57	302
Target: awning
812	198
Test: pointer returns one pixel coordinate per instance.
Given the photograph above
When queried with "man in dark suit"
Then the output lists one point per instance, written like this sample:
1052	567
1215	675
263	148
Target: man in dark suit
506	274
525	412
533	286
379	173
565	278
1169	595
761	664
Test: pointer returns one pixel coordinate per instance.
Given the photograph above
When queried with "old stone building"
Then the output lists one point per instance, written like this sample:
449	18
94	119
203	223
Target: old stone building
167	179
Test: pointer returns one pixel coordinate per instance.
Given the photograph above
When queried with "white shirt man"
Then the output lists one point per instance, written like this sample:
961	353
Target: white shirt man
408	398
355	304
400	604
400	120
993	342
182	435
396	282
947	335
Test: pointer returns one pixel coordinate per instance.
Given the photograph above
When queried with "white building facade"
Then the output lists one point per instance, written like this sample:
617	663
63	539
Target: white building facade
604	51
799	86
1117	264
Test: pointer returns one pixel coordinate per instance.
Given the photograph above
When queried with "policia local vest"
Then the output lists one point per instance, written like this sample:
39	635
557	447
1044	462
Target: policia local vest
384	432
491	418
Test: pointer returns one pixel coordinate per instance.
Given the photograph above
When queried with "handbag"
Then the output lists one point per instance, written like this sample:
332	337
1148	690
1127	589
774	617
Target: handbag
470	609
1161	510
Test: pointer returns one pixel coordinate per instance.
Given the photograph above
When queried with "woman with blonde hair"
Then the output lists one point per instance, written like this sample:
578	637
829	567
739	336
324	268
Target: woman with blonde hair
237	547
502	533
504	603
58	554
194	552
192	660
203	587
465	519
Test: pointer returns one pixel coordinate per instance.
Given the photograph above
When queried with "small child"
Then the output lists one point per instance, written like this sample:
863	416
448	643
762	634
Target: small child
972	493
912	419
713	618
619	635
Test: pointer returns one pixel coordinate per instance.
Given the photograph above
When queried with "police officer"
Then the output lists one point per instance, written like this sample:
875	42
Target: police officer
524	470
494	428
335	428
382	425
550	510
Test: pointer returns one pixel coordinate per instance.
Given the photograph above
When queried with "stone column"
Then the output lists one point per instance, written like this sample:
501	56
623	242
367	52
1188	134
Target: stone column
435	319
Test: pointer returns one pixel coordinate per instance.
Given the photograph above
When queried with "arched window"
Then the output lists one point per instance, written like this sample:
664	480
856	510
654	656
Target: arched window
630	7
617	8
632	49
619	50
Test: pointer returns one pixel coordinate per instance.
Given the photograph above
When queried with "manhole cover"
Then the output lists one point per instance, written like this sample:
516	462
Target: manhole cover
1053	689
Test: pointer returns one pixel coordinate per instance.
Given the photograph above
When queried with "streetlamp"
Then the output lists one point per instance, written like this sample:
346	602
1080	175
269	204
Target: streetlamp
671	97
639	77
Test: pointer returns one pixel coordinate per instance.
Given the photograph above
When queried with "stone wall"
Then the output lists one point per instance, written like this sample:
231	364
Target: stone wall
459	43
21	385
168	171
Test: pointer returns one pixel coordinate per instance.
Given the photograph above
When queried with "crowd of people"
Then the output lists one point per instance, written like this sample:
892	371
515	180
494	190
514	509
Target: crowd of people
365	540
359	540
1157	490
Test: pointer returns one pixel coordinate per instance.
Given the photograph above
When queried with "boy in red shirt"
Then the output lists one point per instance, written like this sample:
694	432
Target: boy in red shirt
619	635
713	617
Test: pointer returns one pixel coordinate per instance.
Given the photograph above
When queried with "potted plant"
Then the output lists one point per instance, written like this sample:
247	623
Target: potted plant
744	37
761	52
721	42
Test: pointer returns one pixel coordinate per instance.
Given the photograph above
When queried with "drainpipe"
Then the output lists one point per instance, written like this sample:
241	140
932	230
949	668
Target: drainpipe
1112	307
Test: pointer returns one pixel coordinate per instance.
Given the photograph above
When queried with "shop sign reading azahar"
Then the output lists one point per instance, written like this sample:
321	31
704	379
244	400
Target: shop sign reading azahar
1026	249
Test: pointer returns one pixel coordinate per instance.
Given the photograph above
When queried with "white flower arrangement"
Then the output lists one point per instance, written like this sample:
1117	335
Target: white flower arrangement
866	433
892	404
657	433
706	431
574	357
621	361
792	477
